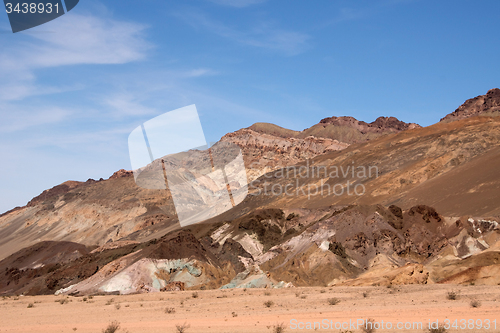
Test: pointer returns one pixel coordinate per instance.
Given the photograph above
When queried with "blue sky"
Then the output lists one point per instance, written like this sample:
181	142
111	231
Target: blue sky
73	89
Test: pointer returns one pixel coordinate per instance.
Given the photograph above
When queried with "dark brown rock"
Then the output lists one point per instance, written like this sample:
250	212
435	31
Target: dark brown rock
488	104
174	286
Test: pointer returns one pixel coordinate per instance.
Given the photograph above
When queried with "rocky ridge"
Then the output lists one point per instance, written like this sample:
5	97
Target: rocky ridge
487	105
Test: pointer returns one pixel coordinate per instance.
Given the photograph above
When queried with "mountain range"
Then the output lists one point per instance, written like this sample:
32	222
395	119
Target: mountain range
343	202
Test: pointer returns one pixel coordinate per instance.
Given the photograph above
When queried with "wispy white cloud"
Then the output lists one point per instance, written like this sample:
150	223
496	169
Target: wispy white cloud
262	35
237	3
127	104
78	40
199	72
20	118
349	14
143	94
83	39
352	13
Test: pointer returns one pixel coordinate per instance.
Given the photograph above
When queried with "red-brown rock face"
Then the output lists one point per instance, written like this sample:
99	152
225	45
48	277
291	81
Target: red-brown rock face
488	104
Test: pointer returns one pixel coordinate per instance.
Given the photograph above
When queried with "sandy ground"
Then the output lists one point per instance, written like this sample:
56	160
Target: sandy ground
238	310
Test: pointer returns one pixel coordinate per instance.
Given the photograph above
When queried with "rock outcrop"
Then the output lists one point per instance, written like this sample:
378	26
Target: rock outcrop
487	105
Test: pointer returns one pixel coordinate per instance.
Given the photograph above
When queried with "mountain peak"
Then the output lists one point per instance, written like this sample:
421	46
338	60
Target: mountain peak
486	105
380	125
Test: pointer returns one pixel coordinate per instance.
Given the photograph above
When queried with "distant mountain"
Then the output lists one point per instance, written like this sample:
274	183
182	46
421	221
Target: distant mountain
267	146
343	129
483	105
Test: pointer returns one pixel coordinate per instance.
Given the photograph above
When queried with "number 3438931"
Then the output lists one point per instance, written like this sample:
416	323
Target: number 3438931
32	8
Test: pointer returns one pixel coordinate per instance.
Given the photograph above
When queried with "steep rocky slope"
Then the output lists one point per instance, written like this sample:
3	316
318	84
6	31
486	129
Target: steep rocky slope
265	152
91	213
353	245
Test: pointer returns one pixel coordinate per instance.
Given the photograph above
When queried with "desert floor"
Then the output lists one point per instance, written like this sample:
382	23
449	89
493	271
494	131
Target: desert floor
238	310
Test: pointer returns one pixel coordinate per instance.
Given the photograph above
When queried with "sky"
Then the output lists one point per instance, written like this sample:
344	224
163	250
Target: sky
73	89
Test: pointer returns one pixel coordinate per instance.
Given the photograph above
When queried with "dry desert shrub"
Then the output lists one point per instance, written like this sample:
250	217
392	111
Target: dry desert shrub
170	310
117	306
475	303
62	301
279	328
112	327
365	294
333	301
234	314
268	304
267	293
452	295
110	301
368	327
440	329
31	305
182	328
194	295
